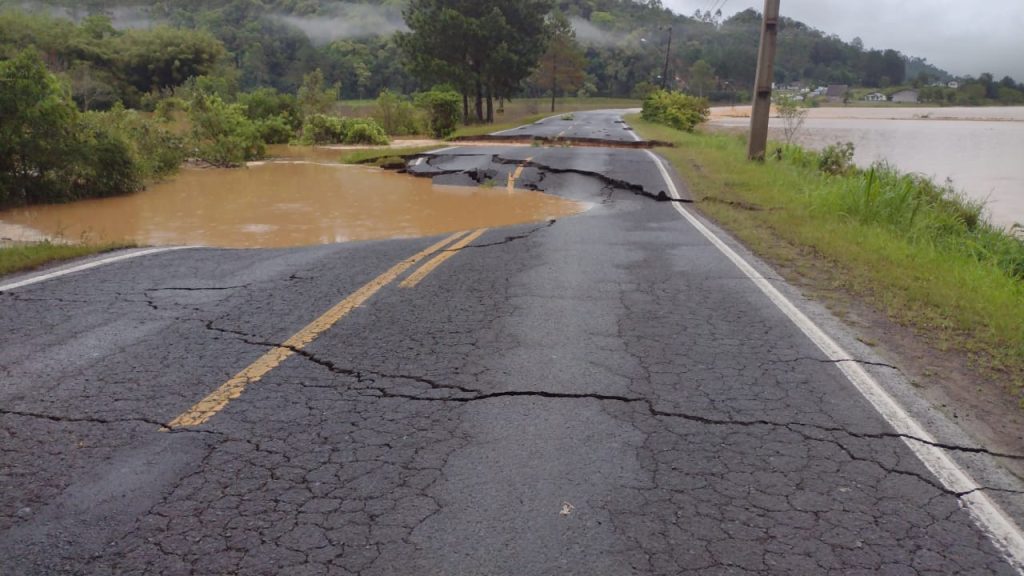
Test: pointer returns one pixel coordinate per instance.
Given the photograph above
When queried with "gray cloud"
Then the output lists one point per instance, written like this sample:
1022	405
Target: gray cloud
966	38
347	21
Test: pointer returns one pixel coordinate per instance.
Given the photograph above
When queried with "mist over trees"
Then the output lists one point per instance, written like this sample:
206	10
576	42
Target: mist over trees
484	48
560	70
276	43
124	53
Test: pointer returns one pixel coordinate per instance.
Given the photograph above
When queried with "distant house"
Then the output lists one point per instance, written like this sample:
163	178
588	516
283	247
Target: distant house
876	97
954	85
906	97
837	92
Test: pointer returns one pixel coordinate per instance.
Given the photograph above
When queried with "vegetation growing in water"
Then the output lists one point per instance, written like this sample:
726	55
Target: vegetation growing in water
675	109
51	152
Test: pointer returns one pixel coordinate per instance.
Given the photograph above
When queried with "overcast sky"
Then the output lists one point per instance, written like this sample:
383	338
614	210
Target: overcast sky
963	37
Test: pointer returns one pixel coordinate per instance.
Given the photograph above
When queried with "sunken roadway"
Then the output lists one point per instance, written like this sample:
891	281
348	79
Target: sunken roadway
625	391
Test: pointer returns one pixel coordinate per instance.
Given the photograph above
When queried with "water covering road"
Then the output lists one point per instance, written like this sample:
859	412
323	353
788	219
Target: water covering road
608	393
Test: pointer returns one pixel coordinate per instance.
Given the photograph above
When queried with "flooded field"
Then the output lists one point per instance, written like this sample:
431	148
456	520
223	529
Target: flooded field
978	149
284	204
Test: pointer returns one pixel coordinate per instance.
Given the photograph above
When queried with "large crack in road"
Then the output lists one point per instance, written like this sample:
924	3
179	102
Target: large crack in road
606	393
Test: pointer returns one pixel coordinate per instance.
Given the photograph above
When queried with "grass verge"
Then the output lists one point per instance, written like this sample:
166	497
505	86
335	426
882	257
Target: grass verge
384	156
25	257
903	246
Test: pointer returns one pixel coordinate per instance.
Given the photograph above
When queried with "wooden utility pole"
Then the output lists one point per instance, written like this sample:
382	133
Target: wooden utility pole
668	52
763	84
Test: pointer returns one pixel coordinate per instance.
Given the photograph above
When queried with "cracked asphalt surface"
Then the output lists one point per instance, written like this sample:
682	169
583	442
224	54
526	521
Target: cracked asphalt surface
605	394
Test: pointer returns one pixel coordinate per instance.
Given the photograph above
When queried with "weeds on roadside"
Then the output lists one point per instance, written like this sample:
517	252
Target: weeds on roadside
911	205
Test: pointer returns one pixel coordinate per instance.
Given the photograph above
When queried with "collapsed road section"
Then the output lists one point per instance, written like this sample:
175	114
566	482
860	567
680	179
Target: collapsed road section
605	394
540	170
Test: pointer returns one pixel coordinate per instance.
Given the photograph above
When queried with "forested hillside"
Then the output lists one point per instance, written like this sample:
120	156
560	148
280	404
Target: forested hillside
276	42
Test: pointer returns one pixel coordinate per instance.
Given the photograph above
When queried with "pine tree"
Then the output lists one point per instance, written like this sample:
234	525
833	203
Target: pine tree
561	67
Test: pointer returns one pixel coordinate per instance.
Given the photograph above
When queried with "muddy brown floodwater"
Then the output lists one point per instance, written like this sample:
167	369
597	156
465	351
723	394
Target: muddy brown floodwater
286	204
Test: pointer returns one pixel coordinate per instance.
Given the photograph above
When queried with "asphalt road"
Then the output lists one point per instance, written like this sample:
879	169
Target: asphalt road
608	394
600	124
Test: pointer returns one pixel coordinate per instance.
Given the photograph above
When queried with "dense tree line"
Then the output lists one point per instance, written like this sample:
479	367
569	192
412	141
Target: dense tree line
268	44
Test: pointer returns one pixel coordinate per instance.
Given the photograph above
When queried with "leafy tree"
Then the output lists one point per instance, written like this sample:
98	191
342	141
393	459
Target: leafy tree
442	109
313	97
37	135
49	152
165	57
396	114
988	82
498	46
221	133
92	88
702	77
561	67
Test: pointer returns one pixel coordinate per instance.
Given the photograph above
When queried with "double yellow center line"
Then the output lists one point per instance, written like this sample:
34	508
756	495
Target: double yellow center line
512	177
216	401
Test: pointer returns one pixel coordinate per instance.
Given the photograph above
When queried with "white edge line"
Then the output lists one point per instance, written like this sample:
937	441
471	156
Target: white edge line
636	137
88	266
988	515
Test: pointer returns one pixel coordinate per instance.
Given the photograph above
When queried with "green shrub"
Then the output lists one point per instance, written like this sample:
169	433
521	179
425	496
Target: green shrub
365	131
397	115
37	134
268	103
156	151
165	109
105	163
275	130
675	109
221	133
442	106
836	159
324	129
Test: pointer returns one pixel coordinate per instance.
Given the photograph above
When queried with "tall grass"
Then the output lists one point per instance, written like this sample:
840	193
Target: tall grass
914	207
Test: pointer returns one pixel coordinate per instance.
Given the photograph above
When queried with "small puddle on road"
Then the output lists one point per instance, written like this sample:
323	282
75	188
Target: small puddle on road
287	204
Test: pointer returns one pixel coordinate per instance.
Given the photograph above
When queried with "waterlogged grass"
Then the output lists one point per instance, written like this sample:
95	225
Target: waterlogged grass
912	249
25	257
